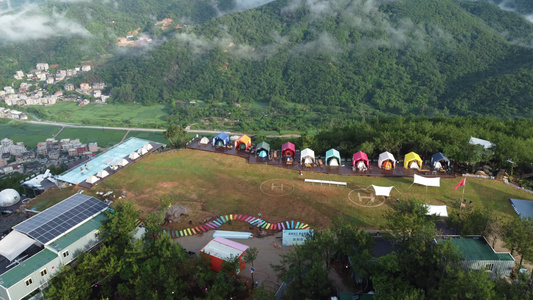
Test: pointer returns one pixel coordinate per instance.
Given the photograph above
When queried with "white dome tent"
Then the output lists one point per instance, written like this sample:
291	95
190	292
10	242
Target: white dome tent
134	155
148	147
9	197
307	156
361	166
142	151
102	174
122	162
204	141
92	179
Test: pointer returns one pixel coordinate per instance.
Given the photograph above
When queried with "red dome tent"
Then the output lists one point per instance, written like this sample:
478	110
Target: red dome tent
288	149
359	156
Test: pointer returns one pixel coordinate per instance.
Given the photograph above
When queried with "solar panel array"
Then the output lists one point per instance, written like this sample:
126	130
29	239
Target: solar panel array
61	217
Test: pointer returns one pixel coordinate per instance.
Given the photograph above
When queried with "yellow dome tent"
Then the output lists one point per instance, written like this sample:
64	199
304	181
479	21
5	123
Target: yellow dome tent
411	158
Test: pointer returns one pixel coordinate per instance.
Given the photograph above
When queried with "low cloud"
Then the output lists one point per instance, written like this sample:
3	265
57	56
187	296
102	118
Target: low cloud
31	24
512	6
241	5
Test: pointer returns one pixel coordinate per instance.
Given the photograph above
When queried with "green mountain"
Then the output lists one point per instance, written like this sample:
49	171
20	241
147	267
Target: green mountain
293	64
355	57
68	33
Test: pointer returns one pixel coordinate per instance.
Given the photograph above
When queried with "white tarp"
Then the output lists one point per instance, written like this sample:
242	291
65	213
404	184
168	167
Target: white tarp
91	179
386	156
486	144
142	151
435	181
308	156
204	141
439	210
14	244
102	174
134	155
382	190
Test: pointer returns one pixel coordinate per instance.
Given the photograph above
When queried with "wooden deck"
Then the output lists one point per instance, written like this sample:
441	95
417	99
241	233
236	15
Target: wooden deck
344	169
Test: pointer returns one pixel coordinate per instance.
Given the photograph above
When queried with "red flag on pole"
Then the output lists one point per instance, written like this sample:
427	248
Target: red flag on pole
461	183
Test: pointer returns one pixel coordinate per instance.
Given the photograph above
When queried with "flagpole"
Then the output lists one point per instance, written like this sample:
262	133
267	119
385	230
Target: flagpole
464	185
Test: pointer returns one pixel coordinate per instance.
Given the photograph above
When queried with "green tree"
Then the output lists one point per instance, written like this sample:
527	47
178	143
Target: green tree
176	136
518	235
250	256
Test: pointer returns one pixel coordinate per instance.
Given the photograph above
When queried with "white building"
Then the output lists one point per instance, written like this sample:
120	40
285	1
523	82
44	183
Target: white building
34	254
19	75
85	68
6	142
9	90
42	67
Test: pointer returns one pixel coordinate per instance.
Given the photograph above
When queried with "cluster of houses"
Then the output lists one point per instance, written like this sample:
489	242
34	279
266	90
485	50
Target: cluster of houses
14	156
12	114
26	95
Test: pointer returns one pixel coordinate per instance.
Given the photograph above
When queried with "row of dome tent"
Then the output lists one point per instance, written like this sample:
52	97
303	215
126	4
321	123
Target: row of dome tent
360	159
120	162
223	139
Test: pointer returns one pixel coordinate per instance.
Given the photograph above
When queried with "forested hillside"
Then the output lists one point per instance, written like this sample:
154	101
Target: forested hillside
296	65
70	32
361	57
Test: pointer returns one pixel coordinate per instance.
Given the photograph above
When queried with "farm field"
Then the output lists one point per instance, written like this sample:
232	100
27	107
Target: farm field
28	133
216	184
106	115
151	136
105	138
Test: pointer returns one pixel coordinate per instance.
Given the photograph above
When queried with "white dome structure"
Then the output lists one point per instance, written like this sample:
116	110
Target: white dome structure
9	197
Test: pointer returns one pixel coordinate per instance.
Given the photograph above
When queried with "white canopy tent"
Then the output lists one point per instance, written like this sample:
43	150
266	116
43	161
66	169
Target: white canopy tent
134	155
382	190
102	174
307	156
426	181
438	210
386	156
14	244
92	179
142	151
433	181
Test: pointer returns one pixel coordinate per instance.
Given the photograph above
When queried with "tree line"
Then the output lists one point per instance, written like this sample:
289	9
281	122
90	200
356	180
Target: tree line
418	266
153	267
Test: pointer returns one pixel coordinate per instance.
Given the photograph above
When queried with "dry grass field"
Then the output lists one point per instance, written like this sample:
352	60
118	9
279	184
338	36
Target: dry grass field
216	184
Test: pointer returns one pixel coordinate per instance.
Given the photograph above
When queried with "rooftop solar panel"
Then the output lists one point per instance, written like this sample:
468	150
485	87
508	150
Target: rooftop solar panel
61	217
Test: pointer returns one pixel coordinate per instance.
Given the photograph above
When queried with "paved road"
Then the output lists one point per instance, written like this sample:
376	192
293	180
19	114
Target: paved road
188	128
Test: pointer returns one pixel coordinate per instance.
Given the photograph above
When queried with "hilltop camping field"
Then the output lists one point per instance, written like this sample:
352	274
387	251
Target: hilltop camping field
217	184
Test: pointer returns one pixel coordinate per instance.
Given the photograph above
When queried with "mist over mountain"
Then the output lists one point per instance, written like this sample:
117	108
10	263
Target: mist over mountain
366	57
349	58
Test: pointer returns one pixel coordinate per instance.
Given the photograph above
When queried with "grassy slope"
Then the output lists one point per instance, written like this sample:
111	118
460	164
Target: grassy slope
211	183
